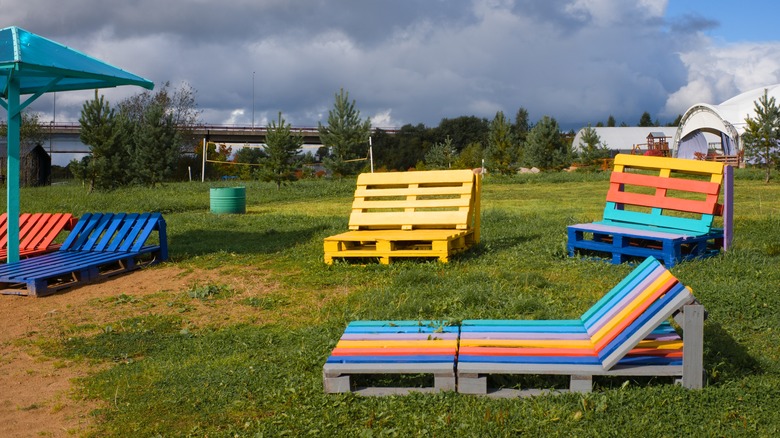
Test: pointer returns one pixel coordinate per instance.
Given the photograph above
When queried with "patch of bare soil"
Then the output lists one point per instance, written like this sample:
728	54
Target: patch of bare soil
37	396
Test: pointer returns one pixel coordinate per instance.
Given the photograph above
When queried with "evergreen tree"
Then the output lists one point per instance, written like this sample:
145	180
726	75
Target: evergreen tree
155	146
590	146
545	148
470	157
646	120
611	121
281	149
346	135
502	149
100	130
762	134
522	126
441	155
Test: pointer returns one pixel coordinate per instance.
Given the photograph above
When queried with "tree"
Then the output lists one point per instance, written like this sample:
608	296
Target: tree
590	146
470	157
646	120
107	169
441	155
462	130
521	126
252	156
281	149
502	149
155	146
346	135
762	134
545	148
611	121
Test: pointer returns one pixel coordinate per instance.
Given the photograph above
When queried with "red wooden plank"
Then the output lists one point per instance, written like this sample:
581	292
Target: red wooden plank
671	183
708	206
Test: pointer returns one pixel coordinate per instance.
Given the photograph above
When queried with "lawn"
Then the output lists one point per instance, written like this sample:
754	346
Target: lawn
172	369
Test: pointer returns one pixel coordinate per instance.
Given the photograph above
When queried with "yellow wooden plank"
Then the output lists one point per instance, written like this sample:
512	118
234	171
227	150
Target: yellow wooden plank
421	177
678	164
418	218
630	307
362	204
527	343
377	192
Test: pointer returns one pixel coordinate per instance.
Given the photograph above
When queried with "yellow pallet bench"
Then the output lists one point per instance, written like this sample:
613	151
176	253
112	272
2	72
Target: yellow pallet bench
431	213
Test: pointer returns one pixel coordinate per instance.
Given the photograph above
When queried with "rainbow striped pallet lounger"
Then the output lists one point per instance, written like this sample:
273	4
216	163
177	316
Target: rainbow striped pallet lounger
100	245
626	333
393	347
660	207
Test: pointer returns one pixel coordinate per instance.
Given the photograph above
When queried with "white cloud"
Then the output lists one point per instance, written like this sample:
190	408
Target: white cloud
717	73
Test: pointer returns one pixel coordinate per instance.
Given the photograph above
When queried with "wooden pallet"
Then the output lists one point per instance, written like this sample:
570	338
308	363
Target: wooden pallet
99	246
660	207
429	214
37	232
393	347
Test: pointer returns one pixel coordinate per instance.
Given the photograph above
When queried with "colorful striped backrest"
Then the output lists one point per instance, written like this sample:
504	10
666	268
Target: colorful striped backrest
664	192
643	300
434	199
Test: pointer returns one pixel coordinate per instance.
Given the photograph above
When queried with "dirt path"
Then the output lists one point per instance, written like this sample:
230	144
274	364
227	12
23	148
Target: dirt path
36	392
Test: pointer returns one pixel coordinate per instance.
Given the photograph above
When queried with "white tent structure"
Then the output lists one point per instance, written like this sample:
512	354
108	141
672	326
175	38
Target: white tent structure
726	121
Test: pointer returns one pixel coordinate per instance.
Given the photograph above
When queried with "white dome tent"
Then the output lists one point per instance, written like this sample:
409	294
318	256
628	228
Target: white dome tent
726	120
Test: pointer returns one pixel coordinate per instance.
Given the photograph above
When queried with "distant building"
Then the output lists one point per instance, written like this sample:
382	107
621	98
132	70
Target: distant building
34	166
630	139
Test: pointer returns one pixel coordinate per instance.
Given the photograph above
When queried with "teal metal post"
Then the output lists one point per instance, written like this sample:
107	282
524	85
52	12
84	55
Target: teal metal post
12	175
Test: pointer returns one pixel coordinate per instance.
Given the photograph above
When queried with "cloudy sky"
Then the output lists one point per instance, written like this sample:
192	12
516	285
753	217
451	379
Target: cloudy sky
418	61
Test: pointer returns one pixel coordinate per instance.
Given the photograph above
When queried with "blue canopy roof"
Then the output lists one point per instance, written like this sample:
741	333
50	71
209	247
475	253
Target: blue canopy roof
33	65
42	65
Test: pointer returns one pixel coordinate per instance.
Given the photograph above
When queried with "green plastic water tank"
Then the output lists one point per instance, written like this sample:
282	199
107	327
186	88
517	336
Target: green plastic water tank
228	200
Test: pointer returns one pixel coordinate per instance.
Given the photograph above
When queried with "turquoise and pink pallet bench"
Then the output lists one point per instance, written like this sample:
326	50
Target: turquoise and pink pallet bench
626	333
37	232
660	207
100	245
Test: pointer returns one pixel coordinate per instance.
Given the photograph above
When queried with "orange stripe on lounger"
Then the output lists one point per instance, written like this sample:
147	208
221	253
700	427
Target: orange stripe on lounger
501	351
392	351
643	305
662	283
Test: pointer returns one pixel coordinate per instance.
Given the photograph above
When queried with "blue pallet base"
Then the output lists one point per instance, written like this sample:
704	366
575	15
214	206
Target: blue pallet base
624	244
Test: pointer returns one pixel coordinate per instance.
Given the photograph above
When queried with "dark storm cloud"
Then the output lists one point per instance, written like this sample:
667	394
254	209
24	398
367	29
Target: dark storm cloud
403	61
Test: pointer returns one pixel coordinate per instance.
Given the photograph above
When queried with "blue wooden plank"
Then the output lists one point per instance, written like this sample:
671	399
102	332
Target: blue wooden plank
77	230
434	358
116	221
121	234
146	231
95	233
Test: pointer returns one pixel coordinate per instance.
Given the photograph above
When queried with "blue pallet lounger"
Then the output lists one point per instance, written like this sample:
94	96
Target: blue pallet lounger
393	347
626	333
100	245
660	207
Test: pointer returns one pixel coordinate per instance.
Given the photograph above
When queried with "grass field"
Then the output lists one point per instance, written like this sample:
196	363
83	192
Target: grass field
177	373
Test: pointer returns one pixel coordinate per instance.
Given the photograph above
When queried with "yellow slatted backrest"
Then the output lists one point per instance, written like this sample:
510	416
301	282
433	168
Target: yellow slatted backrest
434	199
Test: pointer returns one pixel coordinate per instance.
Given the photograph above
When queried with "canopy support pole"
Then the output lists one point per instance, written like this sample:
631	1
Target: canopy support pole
12	175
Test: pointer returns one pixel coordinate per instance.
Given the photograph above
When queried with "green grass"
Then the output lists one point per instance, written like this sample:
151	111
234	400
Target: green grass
168	376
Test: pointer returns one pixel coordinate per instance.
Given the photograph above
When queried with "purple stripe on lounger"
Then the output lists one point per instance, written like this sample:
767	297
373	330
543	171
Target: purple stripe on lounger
528	335
397	336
